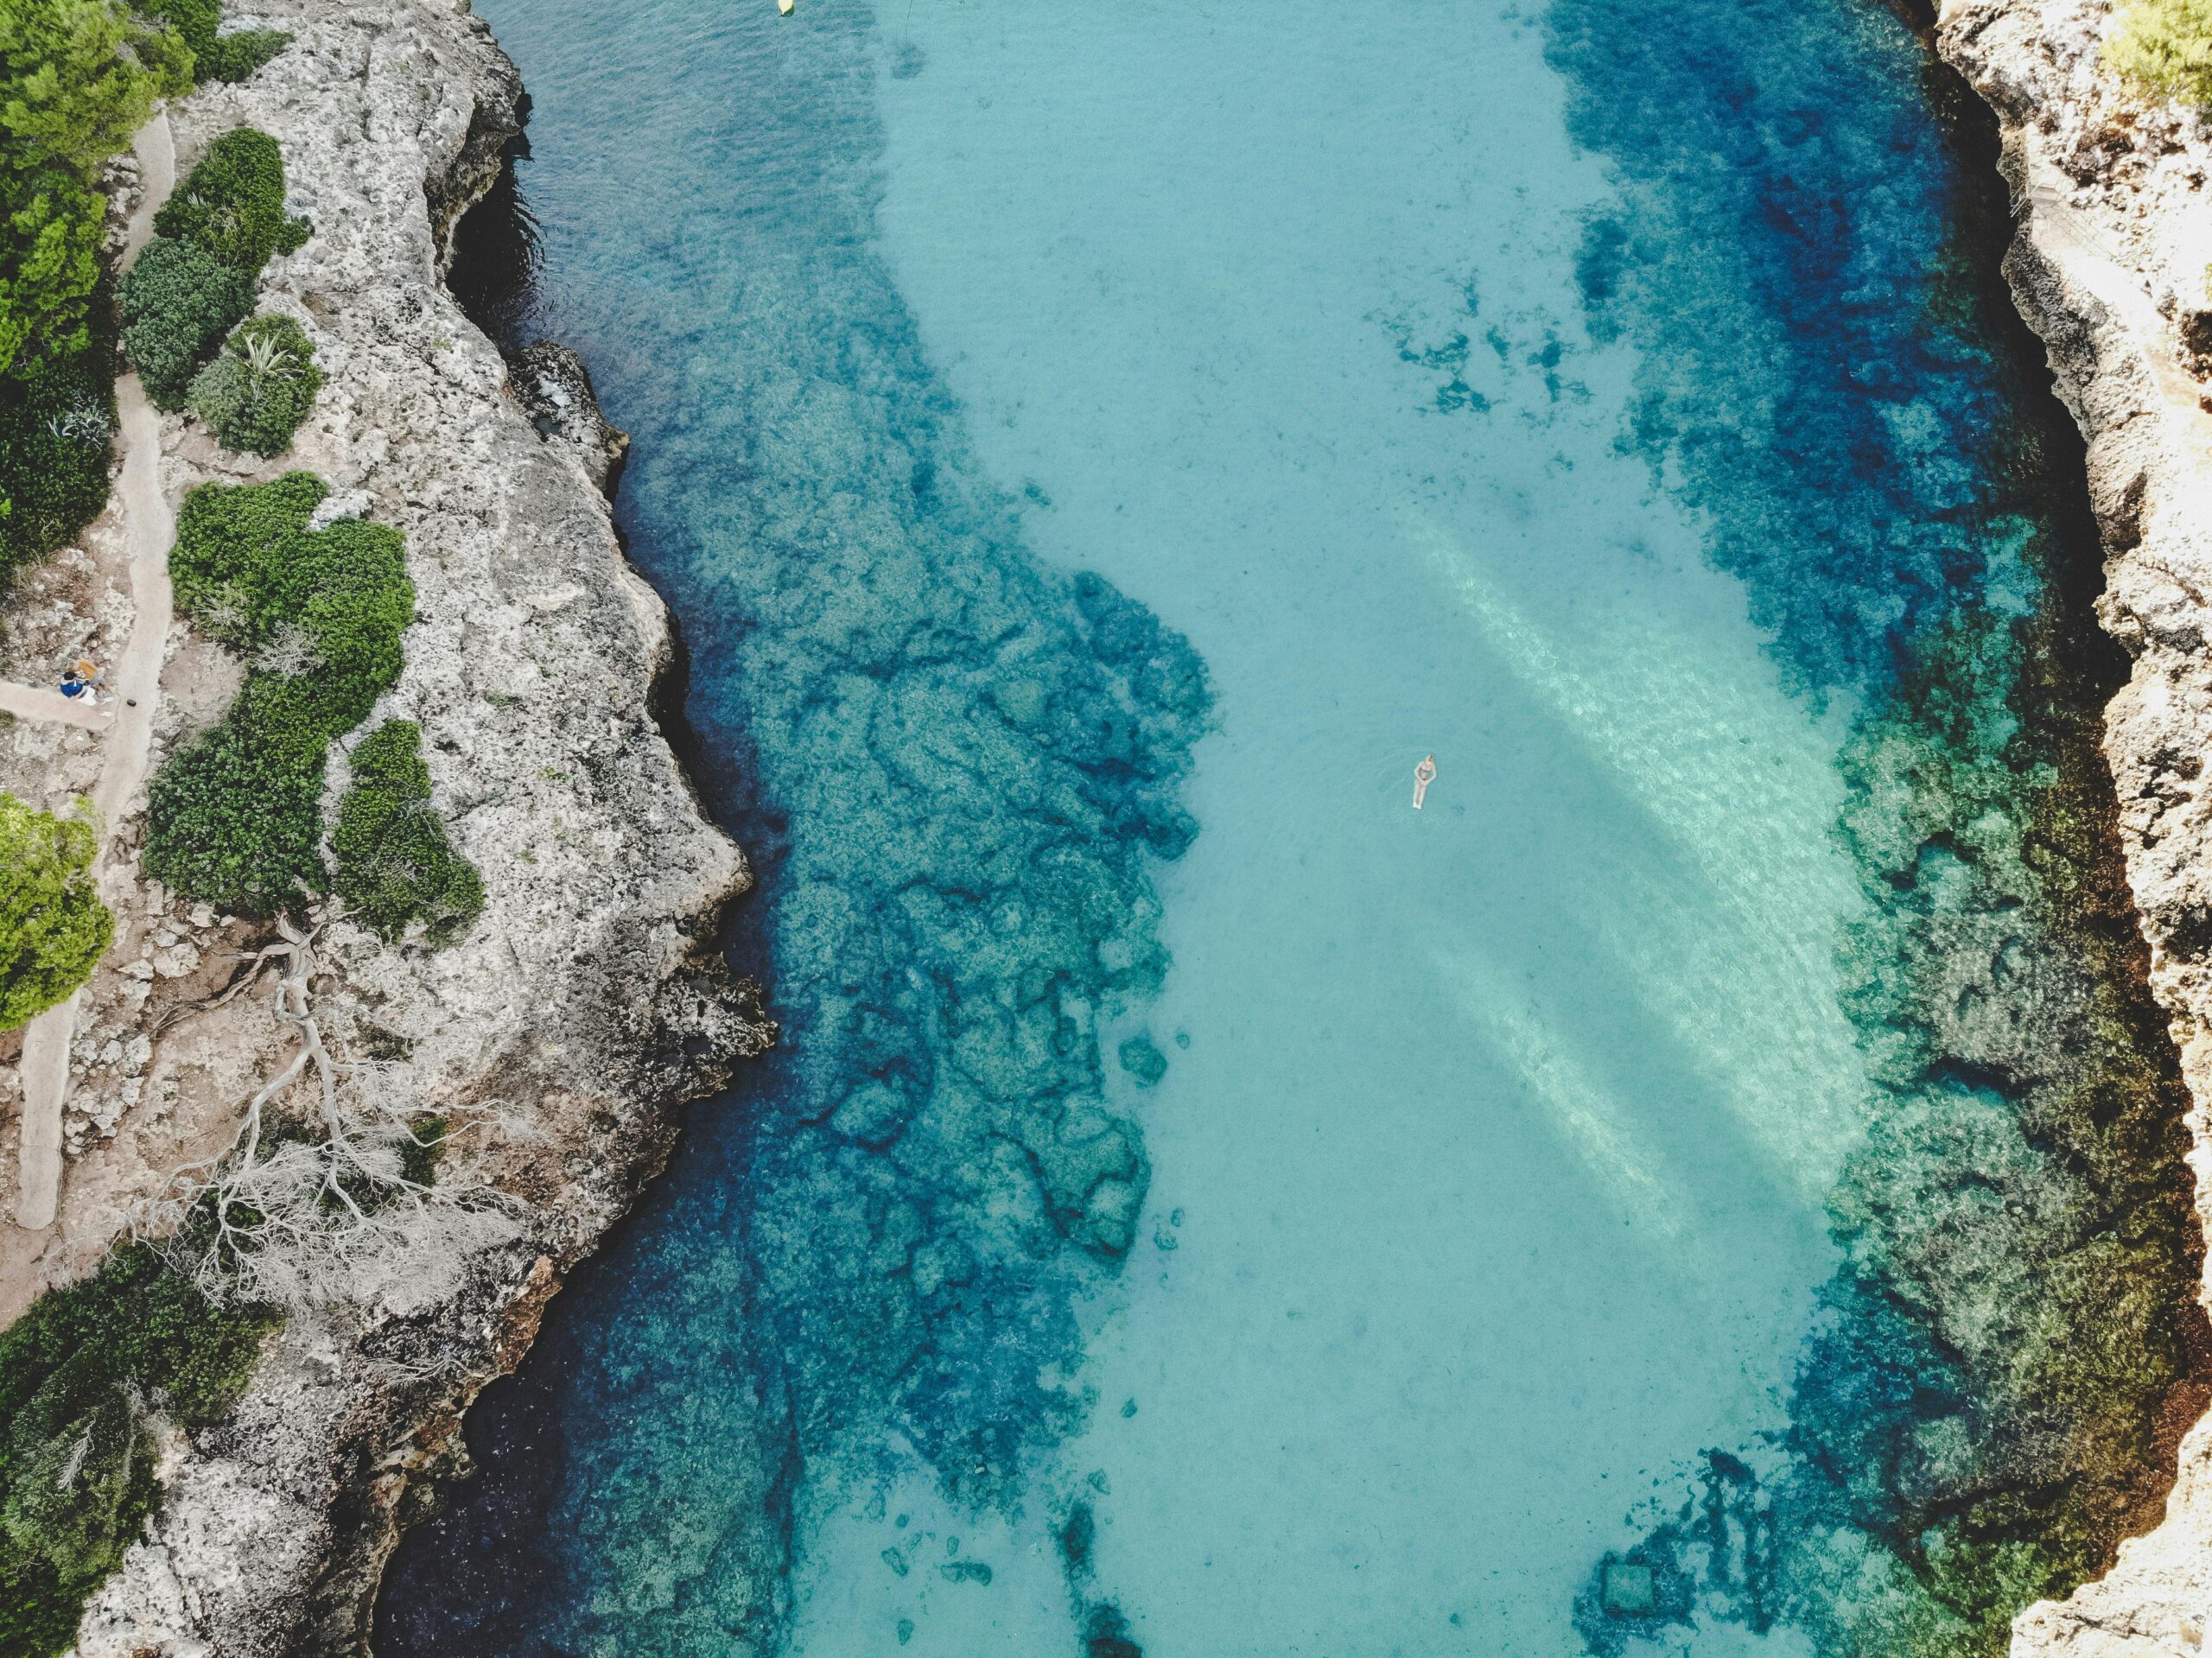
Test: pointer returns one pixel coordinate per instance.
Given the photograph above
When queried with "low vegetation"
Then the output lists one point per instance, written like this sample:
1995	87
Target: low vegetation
237	816
393	863
77	79
178	303
93	1379
53	926
218	56
231	203
260	387
2166	46
195	281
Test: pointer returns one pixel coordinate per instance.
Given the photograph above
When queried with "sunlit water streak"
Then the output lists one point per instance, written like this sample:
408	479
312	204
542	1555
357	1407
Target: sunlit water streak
1486	1152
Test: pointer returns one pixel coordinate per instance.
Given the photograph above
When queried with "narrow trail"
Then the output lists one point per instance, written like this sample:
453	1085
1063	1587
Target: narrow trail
148	529
30	703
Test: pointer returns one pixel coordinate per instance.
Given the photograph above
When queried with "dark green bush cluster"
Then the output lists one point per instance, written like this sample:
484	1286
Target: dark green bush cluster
55	422
77	79
394	864
217	56
232	204
195	279
82	1376
178	303
260	387
236	818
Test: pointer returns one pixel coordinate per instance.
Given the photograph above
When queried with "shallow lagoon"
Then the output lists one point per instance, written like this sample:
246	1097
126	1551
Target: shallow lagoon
1414	391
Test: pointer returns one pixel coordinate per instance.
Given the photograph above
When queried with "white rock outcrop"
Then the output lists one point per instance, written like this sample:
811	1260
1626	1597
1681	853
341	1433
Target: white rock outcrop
2110	264
587	1001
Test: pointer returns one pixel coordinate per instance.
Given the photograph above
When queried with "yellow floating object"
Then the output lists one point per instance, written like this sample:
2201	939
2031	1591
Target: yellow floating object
786	6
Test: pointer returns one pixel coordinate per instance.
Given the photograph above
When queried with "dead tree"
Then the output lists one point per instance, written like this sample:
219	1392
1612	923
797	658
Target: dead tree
312	1202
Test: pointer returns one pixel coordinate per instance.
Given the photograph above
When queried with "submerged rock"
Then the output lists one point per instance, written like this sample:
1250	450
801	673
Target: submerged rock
554	389
2107	265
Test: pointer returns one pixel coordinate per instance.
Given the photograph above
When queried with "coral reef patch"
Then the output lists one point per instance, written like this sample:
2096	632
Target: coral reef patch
956	767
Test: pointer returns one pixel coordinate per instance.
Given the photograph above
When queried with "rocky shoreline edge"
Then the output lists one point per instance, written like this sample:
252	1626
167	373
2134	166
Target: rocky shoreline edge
589	1005
2109	264
559	1039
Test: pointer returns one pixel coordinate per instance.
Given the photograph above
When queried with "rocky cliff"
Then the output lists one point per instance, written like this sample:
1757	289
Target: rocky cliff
2110	264
557	1039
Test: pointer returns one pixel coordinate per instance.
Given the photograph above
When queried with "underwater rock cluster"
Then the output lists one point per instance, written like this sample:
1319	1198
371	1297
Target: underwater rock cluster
2107	265
1989	1399
956	768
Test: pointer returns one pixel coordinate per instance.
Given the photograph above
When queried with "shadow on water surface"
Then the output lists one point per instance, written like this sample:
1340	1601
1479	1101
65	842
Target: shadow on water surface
1805	262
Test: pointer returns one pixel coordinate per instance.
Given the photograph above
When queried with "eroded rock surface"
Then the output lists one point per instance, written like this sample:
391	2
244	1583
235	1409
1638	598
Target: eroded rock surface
585	1004
2110	264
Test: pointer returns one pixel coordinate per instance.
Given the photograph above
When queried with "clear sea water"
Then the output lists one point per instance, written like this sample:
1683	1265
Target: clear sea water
1093	452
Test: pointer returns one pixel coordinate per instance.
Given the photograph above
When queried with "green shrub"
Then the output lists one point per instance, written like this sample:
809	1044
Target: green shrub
83	1375
236	818
195	21
232	204
228	552
177	303
54	929
260	387
55	426
77	79
2166	46
217	56
239	56
394	864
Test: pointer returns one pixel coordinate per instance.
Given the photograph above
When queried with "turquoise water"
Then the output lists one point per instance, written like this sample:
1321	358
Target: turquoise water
1202	1204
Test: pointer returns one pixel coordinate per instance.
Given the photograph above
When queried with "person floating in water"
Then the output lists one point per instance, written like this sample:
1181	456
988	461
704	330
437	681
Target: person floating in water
1424	774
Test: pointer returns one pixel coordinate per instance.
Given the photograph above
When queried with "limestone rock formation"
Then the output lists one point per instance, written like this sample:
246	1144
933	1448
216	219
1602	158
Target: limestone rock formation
586	1002
555	391
2110	264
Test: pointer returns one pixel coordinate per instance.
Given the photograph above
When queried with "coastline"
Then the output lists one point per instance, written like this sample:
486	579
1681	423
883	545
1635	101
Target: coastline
273	1535
2107	270
587	1004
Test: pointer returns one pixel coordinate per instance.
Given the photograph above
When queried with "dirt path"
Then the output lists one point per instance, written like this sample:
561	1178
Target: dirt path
30	703
137	676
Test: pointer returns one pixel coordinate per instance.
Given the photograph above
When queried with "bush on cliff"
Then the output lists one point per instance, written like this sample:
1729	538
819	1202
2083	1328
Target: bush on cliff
239	56
88	1378
54	929
55	422
394	864
232	204
217	56
2166	46
177	303
77	79
260	387
237	818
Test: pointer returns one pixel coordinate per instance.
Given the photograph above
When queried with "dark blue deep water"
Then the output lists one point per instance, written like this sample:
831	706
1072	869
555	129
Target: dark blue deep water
1654	1197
